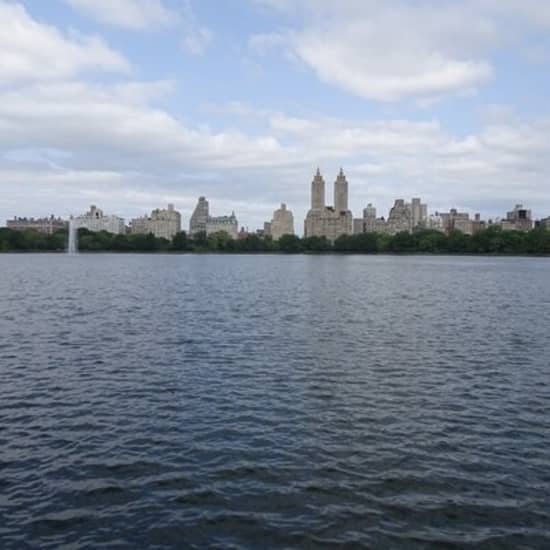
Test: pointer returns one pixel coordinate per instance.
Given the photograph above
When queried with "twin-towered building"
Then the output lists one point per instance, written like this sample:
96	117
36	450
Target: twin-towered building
329	221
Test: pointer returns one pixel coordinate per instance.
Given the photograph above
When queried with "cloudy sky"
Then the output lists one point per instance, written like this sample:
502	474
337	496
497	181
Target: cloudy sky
131	104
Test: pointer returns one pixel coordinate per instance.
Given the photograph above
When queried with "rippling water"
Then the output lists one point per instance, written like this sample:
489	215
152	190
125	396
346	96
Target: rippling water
269	401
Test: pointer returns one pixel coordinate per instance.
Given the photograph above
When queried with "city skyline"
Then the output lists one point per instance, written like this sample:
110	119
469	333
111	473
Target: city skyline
322	219
244	98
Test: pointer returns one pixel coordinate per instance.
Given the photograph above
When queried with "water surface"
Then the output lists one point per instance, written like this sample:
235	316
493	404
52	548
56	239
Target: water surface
274	401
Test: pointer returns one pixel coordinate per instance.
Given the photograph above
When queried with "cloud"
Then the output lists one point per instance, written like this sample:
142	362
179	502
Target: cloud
111	139
146	15
390	52
130	14
196	37
196	41
115	144
32	51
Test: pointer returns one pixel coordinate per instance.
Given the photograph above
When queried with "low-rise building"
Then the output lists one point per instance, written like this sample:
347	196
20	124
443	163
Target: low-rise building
163	223
96	220
47	226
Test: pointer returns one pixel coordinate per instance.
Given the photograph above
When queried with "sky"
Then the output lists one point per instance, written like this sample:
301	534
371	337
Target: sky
132	104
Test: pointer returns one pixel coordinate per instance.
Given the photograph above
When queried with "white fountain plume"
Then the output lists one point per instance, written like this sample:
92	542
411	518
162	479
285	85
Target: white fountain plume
73	237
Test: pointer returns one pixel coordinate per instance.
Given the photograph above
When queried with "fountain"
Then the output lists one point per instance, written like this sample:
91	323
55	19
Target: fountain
73	237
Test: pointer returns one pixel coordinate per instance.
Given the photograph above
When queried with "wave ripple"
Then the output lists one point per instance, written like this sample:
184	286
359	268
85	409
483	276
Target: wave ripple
257	402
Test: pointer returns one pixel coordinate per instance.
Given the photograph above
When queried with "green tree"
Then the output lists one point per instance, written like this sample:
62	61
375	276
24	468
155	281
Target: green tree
458	242
290	244
402	242
430	241
180	242
316	244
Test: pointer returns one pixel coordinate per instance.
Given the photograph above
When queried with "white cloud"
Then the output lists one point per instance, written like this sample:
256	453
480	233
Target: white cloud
144	15
31	51
130	14
390	51
112	140
113	143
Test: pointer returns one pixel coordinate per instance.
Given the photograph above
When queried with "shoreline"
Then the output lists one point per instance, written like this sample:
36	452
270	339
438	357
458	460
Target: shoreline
275	253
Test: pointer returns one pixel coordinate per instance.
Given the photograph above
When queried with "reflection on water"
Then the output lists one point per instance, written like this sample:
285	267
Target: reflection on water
267	401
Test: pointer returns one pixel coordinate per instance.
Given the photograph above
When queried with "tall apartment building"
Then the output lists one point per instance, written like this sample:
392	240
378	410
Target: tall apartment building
519	219
328	221
282	223
164	223
400	218
454	220
419	214
369	223
96	220
48	226
201	220
227	224
403	216
200	217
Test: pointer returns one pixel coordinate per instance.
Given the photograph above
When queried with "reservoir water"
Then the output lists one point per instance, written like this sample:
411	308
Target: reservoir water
274	401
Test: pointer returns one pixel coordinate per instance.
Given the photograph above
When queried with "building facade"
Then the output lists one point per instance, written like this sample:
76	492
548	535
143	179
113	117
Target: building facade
282	223
456	221
328	221
419	214
435	222
199	217
226	224
519	219
48	226
201	220
403	216
95	220
369	223
163	223
400	218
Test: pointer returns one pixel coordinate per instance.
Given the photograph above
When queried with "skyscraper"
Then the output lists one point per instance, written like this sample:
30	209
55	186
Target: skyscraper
341	193
318	192
328	221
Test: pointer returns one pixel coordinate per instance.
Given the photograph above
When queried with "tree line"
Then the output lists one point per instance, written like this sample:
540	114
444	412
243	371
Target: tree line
489	241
